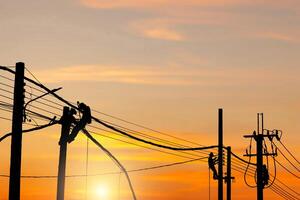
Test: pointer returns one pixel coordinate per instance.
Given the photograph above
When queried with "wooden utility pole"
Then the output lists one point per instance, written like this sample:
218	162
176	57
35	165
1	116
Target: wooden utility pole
66	121
16	137
220	156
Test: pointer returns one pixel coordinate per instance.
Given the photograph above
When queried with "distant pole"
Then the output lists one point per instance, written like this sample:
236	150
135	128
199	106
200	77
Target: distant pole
65	130
220	157
260	186
259	157
16	138
259	138
228	177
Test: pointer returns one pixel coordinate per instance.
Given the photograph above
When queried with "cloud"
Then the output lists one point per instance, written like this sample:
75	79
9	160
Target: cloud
132	75
104	4
163	33
164	75
277	36
174	13
156	29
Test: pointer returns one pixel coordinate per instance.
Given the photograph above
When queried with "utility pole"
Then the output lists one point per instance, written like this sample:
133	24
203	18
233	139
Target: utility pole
66	121
220	156
16	137
259	138
228	177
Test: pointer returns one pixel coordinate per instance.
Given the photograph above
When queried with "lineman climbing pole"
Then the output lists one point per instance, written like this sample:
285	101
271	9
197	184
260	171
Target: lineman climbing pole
66	137
66	121
16	137
260	169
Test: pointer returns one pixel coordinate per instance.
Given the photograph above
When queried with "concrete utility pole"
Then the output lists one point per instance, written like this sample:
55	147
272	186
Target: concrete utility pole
220	156
16	138
259	138
66	121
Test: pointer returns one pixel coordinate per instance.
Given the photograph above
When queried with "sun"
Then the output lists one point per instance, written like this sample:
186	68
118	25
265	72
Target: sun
102	192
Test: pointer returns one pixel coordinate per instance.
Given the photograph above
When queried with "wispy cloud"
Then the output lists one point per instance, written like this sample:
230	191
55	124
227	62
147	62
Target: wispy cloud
104	4
166	75
133	75
163	33
277	36
157	29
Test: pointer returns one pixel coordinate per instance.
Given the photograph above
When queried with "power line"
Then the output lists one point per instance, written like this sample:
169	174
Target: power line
277	180
152	143
244	161
6	78
155	138
289	152
279	192
113	158
111	173
39	84
286	157
37	114
285	192
159	150
274	185
30	130
4	118
289	171
159	145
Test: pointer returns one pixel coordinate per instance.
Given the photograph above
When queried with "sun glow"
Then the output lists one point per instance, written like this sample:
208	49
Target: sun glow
102	192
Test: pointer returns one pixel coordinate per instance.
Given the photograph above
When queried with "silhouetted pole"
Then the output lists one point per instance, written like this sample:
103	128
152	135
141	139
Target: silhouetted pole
65	129
259	137
228	177
220	157
16	137
260	186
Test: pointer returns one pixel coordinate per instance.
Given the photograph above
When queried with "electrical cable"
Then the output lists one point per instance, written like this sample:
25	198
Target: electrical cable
111	173
289	152
281	165
244	161
47	118
113	158
31	129
106	125
279	192
98	121
275	173
152	143
286	158
285	192
245	174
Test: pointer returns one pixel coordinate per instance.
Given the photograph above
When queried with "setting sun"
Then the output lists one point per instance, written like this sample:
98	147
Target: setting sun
149	100
102	192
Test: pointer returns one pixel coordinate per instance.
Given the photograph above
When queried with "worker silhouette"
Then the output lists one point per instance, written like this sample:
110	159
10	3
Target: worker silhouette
265	175
68	119
85	119
212	160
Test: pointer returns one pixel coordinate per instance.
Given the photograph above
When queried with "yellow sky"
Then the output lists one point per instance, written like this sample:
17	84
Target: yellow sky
168	65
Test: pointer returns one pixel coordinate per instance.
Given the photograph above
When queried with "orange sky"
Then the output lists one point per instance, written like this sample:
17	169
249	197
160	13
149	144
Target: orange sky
168	65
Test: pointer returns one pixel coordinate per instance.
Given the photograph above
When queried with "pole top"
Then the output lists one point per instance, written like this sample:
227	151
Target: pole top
20	64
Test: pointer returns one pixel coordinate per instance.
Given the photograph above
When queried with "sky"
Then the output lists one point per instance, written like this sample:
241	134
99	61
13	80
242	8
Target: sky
167	65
